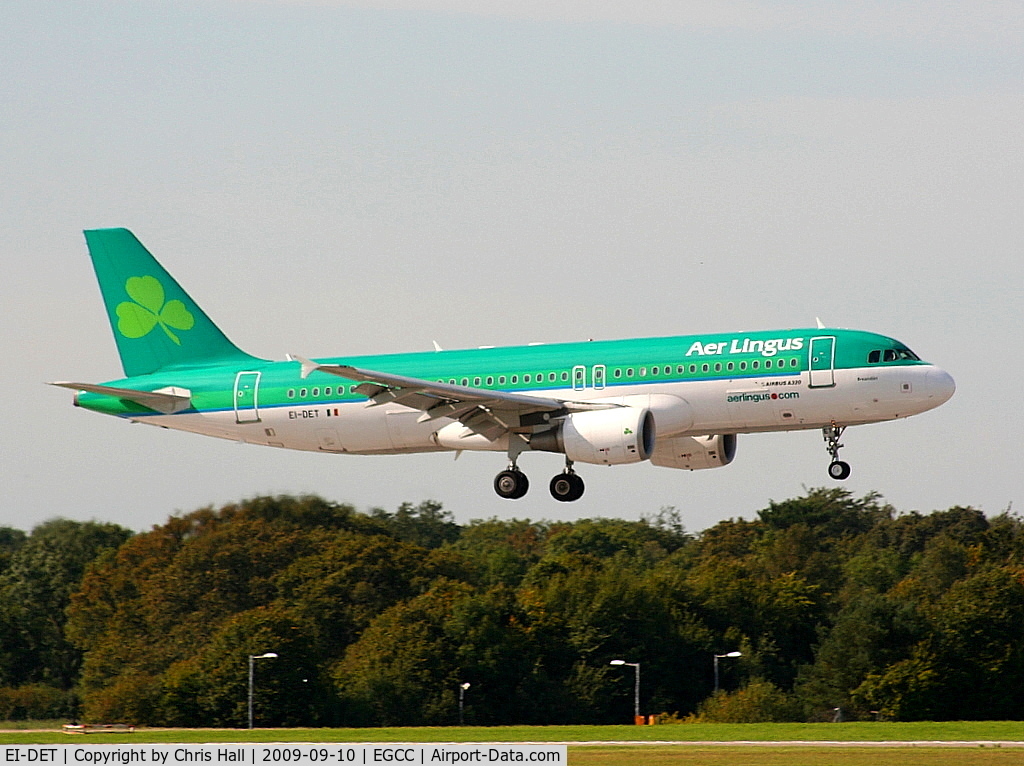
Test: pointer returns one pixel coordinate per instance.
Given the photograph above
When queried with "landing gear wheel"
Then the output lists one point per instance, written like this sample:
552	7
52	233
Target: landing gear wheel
511	484
567	487
839	470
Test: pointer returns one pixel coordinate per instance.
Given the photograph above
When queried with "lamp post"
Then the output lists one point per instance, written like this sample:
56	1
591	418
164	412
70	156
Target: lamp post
252	668
719	656
462	701
636	685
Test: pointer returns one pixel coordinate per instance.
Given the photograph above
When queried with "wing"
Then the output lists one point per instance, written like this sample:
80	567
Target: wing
488	413
165	400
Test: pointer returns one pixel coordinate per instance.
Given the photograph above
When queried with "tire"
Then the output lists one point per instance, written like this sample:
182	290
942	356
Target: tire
839	470
567	487
511	485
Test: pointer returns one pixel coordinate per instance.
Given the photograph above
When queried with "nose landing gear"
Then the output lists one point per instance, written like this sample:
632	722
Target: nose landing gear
837	469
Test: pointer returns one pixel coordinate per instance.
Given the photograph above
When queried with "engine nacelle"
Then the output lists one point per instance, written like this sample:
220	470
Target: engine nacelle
603	437
693	453
672	414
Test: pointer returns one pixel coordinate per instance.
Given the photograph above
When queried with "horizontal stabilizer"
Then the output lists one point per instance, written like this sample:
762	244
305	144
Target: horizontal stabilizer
166	400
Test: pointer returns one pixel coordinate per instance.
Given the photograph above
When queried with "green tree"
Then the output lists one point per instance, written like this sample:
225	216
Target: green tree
167	620
35	591
500	552
427	524
872	632
350	578
403	670
211	687
969	664
755	702
10	541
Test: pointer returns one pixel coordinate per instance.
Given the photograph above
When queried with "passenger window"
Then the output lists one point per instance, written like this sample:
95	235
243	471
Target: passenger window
302	393
705	368
526	378
617	373
565	376
693	369
730	366
465	381
316	392
743	365
515	379
476	381
629	372
501	380
718	366
551	377
291	393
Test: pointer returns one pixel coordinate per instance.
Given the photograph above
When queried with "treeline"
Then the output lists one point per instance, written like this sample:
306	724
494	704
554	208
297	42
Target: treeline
835	602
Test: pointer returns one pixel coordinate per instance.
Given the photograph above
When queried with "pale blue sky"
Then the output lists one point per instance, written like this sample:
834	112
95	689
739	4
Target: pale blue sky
330	178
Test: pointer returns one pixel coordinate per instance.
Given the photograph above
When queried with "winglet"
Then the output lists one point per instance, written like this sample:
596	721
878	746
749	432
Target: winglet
820	325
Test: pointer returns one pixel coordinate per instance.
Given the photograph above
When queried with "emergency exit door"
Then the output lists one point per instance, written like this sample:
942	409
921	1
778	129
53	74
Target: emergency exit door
247	397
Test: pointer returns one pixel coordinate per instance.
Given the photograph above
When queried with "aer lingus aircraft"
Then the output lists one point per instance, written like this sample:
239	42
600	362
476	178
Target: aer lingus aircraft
678	402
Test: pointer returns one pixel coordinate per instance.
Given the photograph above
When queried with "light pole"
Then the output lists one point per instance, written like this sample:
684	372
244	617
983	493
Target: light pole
717	657
462	701
636	685
252	668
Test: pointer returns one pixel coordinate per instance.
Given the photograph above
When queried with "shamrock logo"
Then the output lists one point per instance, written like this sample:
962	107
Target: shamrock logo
148	309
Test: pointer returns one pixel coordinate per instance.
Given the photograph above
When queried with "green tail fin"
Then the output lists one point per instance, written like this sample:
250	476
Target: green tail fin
156	324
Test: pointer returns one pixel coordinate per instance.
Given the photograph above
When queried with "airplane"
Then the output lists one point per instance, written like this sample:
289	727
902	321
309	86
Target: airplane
678	402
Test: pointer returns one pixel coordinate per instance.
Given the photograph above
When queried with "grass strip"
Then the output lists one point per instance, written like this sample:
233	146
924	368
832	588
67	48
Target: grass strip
779	732
695	755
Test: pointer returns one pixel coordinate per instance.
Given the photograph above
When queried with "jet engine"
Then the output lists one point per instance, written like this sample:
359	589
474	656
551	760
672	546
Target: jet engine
693	453
603	437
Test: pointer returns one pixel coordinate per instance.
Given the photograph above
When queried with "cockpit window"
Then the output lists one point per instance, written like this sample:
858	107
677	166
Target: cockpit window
892	355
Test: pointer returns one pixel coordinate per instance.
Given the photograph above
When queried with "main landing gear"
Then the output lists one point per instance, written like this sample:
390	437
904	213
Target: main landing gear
567	486
512	484
837	469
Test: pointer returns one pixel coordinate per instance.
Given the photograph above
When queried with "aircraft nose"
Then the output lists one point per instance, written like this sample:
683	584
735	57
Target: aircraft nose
940	384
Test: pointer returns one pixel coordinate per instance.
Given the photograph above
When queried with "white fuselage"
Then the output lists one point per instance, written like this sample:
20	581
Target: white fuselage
772	403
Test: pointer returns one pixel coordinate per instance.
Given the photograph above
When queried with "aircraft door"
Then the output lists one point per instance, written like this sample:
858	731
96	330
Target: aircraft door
822	361
247	397
599	376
